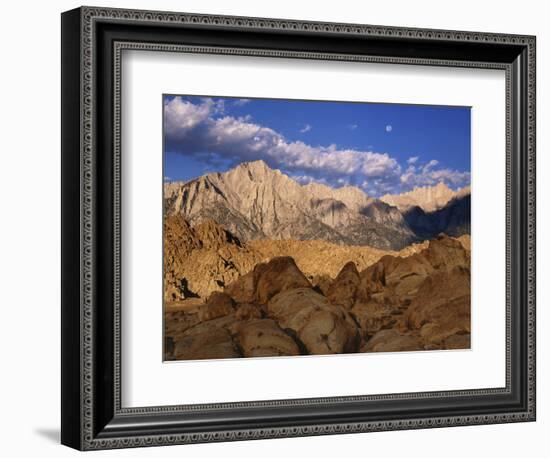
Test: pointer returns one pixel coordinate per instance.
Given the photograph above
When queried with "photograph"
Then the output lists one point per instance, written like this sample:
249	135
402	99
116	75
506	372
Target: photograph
313	227
265	228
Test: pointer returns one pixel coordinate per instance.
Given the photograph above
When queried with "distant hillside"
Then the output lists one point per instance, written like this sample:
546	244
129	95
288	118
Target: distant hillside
206	257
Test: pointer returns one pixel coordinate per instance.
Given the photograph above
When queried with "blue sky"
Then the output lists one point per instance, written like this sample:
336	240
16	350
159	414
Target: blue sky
381	148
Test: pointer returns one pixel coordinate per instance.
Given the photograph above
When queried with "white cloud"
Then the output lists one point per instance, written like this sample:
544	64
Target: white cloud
307	179
199	130
342	182
241	102
305	129
352	126
180	116
412	160
428	177
167	179
430	165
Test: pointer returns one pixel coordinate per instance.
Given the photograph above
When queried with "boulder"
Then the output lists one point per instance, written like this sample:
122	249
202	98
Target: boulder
243	289
279	274
224	322
321	283
343	290
372	316
392	340
405	275
211	344
446	253
442	306
457	342
285	306
218	304
264	338
325	332
321	327
248	311
178	322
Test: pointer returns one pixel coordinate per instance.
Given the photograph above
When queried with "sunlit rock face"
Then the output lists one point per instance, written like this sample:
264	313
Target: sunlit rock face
253	201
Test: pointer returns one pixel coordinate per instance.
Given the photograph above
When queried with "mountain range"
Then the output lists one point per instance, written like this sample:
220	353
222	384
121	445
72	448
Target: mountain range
428	198
253	201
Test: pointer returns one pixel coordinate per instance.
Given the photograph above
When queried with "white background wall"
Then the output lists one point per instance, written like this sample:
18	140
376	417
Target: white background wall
30	240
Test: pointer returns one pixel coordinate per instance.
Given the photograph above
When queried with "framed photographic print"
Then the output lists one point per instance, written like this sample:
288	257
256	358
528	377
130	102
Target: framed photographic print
278	228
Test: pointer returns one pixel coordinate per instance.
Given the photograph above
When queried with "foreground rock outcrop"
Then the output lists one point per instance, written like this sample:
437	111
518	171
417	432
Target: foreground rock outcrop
202	258
264	337
322	328
417	301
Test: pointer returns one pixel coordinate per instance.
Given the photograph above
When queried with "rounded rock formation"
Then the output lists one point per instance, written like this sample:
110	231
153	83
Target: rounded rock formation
279	274
343	290
265	338
321	327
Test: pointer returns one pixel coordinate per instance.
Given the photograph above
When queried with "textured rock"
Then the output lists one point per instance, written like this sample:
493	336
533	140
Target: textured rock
248	311
227	322
205	258
343	290
243	289
321	283
321	327
217	305
404	275
284	307
322	258
442	306
279	274
211	344
179	242
406	293
214	236
446	252
200	260
373	316
372	280
393	340
265	338
417	299
177	322
457	342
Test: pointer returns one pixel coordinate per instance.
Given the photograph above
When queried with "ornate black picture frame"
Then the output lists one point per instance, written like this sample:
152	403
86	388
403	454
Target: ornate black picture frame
92	42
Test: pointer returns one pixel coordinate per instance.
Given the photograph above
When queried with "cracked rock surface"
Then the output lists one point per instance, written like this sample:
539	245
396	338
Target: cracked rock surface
419	300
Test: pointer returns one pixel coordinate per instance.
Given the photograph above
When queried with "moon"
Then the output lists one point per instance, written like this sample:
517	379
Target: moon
389	128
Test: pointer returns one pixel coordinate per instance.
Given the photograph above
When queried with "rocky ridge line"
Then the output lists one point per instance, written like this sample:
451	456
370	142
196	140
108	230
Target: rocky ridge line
395	304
